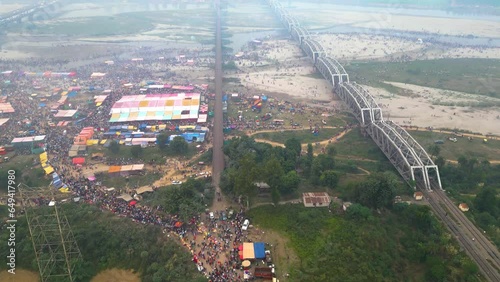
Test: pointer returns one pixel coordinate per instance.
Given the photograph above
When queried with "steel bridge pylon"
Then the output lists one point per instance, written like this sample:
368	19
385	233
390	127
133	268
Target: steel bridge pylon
332	70
313	49
56	249
398	153
431	169
356	103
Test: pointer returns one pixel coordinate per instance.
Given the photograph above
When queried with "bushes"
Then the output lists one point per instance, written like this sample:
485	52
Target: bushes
364	247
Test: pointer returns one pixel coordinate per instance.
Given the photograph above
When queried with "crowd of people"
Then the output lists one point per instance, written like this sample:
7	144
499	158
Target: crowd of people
214	250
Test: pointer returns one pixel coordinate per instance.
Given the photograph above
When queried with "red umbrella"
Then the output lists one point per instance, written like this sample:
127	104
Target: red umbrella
132	203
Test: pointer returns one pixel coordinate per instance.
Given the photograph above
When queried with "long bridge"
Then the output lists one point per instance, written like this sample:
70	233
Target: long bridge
407	155
41	9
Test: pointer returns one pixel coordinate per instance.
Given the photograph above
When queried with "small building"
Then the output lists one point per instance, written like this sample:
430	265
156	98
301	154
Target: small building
463	207
418	196
263	187
316	199
346	205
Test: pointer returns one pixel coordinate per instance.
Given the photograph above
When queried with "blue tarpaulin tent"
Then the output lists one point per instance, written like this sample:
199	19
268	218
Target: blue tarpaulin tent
72	94
56	181
41	105
259	250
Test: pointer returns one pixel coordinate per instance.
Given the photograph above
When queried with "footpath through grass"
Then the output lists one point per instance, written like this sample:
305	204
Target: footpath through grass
304	136
476	148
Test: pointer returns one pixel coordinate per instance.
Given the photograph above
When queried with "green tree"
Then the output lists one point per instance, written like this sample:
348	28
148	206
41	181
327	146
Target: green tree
440	162
331	150
178	145
294	145
272	172
247	173
275	195
358	212
289	182
486	201
136	151
162	140
114	147
320	164
310	152
377	191
434	150
329	178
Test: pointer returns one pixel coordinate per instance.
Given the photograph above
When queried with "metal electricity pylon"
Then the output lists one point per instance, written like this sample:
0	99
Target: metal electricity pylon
55	247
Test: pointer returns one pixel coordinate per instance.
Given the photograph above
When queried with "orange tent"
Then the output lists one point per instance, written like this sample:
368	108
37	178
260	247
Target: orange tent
114	169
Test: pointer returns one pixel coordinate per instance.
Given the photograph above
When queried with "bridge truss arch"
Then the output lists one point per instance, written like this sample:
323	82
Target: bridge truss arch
313	49
376	110
398	152
407	156
358	104
431	169
332	70
299	33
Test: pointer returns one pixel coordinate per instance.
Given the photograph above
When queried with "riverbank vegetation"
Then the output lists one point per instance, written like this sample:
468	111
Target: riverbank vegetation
362	245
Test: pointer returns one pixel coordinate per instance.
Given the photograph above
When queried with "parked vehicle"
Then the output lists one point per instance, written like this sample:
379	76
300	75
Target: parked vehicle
245	225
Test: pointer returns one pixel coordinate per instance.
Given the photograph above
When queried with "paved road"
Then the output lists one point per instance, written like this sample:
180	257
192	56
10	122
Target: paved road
218	135
481	250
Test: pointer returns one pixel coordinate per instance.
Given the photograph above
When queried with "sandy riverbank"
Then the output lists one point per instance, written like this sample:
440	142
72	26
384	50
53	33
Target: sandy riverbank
420	109
286	70
329	17
345	47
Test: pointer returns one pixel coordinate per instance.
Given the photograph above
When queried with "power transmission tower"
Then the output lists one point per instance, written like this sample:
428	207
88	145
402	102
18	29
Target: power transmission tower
55	247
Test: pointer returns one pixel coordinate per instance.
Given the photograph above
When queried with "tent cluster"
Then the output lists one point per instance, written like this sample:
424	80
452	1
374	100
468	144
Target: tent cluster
58	184
172	106
50	74
252	251
125	169
6	108
84	135
43	161
99	99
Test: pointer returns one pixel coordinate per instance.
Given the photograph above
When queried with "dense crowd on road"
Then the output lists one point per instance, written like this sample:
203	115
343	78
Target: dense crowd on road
215	250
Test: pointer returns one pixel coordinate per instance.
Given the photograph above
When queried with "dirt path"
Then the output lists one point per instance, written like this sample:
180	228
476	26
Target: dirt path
251	133
331	140
116	275
491	161
453	133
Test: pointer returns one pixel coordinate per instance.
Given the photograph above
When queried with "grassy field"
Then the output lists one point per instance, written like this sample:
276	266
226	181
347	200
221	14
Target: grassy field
304	136
354	144
26	172
475	76
449	150
287	116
